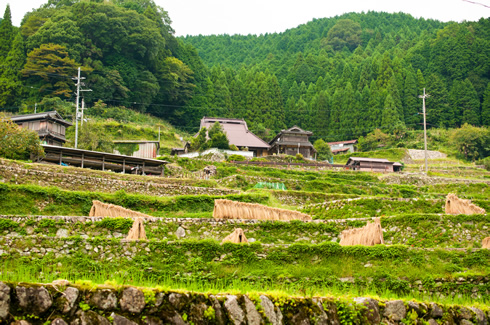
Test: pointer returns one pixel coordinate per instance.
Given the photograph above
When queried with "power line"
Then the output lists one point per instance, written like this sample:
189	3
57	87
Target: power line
477	3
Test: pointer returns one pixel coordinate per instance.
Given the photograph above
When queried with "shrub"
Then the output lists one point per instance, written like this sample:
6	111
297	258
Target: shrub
236	158
17	142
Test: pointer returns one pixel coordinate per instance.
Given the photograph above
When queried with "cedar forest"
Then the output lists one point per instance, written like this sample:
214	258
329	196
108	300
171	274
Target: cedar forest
339	77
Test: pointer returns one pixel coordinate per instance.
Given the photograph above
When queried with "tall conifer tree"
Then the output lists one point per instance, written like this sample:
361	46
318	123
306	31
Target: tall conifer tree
6	33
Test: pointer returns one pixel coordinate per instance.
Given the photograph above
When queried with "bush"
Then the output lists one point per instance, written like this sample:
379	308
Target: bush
17	142
236	158
486	162
323	150
472	142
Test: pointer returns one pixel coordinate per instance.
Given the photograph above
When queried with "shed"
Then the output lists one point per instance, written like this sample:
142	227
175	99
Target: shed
342	146
103	161
137	148
370	164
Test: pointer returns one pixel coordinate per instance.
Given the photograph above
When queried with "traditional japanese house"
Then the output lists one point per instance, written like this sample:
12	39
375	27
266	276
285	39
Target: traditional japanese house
49	125
293	141
237	132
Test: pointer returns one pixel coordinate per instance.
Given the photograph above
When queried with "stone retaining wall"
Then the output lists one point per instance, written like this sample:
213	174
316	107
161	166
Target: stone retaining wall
64	303
110	251
83	182
467	234
420	154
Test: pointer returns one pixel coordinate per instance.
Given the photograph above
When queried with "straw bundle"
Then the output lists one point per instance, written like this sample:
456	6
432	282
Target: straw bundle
369	235
237	236
226	209
455	205
485	243
100	209
137	232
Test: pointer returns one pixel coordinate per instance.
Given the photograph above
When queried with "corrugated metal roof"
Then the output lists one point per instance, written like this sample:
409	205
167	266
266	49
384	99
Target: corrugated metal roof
340	150
370	159
342	142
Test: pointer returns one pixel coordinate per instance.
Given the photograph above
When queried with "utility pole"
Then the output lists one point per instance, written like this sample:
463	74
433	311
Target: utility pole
35	108
77	114
424	96
83	107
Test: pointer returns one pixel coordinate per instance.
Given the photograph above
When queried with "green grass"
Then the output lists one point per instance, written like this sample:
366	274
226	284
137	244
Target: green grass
37	200
298	269
390	154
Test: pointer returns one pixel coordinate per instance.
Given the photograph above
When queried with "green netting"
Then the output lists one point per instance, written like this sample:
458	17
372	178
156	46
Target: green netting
272	186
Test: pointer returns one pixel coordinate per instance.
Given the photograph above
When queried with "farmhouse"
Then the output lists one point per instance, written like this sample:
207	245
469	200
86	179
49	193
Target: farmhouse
291	142
49	125
373	164
342	146
237	132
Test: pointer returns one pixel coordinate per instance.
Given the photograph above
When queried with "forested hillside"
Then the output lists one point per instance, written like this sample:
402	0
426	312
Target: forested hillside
345	76
126	51
339	77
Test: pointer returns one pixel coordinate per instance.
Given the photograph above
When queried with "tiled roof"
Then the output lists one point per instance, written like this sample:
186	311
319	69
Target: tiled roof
236	131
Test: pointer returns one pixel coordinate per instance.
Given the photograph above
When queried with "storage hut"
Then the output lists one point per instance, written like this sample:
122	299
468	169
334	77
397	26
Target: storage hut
371	164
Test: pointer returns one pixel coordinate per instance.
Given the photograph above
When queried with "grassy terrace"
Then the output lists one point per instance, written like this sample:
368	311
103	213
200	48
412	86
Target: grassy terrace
394	270
428	256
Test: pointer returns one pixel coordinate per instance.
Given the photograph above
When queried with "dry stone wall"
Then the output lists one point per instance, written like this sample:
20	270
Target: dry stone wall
460	234
120	251
82	181
63	303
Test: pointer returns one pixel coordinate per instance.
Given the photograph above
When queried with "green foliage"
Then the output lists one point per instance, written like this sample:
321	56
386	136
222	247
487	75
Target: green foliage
210	313
7	224
348	313
472	142
236	158
199	142
44	65
373	140
323	150
22	199
217	137
344	33
91	136
17	142
84	306
120	224
127	148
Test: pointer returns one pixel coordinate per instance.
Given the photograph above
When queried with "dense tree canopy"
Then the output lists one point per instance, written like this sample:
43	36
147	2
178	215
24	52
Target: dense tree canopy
346	76
340	77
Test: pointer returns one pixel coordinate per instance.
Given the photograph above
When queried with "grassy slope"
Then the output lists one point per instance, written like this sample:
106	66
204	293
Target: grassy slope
125	124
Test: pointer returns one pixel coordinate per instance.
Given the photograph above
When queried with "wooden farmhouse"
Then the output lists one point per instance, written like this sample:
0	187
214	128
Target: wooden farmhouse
49	125
291	142
373	164
237	132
